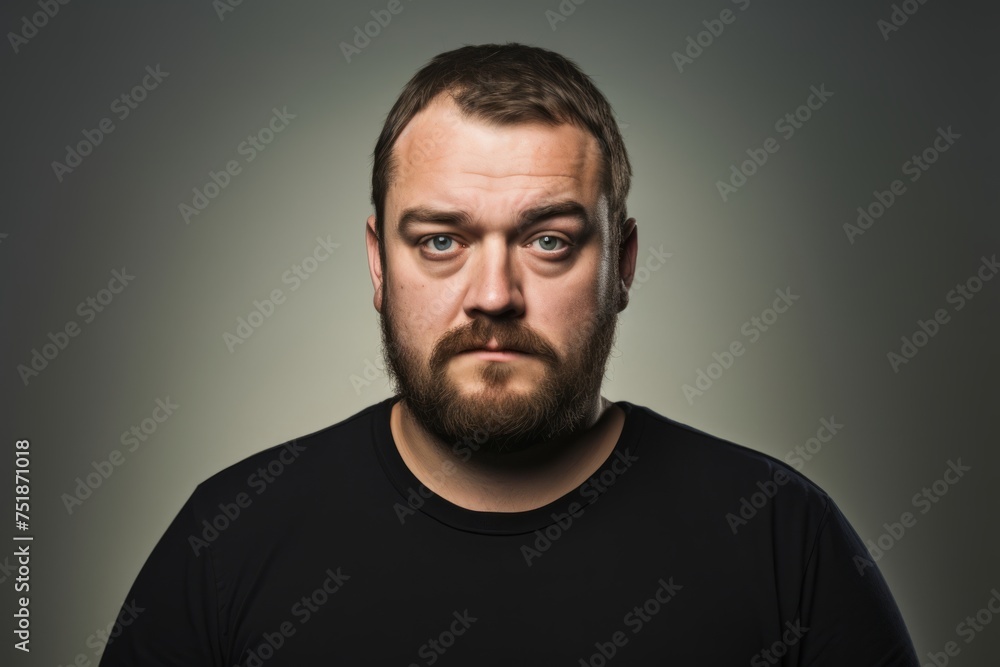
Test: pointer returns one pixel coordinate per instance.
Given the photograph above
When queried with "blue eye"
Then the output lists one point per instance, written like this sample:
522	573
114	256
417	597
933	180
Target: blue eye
440	243
550	243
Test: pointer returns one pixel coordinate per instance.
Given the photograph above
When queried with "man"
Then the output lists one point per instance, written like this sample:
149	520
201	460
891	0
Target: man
498	510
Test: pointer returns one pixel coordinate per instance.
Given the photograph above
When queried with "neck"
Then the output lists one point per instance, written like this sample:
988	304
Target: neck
515	481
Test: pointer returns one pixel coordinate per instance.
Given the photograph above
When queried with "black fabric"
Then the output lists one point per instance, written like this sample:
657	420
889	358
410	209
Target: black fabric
339	555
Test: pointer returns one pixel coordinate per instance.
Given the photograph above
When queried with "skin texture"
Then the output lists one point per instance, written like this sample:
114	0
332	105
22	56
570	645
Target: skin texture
459	283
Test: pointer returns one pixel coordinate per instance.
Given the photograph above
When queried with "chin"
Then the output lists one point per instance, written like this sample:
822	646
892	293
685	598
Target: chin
496	383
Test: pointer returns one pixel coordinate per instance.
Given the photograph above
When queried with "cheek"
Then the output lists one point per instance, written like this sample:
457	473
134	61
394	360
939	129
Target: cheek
422	312
563	313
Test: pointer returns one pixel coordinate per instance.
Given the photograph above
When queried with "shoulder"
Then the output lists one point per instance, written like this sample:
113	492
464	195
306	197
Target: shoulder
294	463
725	474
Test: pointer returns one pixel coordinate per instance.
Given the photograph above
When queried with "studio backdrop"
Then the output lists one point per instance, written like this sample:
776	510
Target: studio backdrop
185	281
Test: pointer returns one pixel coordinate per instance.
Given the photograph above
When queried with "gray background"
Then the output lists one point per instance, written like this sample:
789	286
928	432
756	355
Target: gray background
304	368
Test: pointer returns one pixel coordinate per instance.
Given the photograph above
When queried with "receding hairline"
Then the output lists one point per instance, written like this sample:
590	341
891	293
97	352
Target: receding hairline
447	98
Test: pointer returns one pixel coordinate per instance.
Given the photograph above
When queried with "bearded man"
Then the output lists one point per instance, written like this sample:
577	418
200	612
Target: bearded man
498	510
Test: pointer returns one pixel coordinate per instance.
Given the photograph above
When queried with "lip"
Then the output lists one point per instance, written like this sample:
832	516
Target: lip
495	354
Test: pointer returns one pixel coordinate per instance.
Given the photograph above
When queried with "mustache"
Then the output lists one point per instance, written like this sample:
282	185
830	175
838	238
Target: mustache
509	334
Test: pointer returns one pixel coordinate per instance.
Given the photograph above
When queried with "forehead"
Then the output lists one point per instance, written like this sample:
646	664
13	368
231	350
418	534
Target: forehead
453	159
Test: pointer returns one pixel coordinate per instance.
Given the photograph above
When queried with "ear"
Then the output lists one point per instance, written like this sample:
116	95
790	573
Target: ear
374	261
626	261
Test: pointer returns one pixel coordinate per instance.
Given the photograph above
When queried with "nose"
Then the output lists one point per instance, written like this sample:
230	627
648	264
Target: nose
495	282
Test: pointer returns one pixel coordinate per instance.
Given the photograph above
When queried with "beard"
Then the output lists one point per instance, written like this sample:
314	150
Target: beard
561	403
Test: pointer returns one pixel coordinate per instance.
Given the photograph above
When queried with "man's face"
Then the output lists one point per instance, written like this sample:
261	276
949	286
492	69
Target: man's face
499	299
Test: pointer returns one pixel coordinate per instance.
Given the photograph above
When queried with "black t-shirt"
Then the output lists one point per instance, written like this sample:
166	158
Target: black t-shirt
682	549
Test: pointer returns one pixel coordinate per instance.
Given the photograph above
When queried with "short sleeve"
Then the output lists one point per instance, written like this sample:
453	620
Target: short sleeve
170	616
847	613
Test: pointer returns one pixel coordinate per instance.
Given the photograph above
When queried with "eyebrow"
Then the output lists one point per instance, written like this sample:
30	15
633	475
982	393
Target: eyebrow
568	208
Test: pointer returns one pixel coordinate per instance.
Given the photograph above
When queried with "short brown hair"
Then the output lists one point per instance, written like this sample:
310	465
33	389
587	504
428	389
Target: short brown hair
507	84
